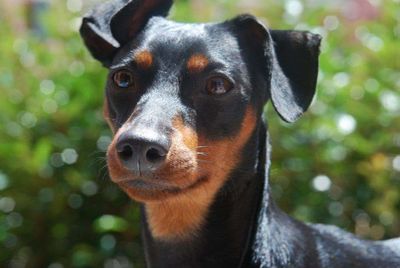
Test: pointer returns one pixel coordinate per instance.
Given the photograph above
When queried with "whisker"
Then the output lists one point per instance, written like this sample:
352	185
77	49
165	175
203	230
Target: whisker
103	172
95	152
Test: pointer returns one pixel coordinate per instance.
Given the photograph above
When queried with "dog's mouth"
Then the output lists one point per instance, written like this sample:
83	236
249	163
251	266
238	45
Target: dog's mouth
149	189
146	185
153	189
143	189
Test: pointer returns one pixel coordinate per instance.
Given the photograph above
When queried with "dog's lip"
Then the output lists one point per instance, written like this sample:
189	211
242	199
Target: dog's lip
148	185
158	186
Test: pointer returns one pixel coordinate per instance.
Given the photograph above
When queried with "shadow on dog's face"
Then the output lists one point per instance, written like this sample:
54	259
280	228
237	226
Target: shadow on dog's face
184	99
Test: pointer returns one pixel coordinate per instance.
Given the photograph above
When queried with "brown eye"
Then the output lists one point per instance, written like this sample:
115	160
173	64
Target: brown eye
123	79
218	85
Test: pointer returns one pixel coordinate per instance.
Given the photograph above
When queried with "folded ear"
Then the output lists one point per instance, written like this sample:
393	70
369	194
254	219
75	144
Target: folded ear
111	25
289	60
294	72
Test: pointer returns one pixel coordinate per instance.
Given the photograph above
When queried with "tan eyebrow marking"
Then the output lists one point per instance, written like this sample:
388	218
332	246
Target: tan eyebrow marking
197	63
144	59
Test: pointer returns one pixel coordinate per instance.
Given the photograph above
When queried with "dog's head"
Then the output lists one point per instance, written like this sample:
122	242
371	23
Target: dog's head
184	99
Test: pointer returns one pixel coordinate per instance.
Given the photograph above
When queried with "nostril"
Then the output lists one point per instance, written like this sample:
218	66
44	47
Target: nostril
141	153
154	155
126	153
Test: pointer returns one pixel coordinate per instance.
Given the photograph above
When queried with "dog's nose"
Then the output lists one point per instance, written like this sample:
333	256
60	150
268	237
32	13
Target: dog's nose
142	153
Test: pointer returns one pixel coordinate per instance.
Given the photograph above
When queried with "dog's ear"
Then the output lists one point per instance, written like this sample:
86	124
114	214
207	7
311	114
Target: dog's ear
111	25
291	60
294	71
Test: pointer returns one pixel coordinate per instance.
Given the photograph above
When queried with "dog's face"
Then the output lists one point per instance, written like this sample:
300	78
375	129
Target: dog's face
184	99
182	106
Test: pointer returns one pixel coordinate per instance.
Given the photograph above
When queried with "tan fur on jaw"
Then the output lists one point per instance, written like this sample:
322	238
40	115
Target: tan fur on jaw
181	216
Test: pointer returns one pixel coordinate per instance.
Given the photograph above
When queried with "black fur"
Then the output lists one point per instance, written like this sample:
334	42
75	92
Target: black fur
244	228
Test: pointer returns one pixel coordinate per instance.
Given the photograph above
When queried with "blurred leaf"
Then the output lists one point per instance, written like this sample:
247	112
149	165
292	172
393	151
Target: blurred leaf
110	223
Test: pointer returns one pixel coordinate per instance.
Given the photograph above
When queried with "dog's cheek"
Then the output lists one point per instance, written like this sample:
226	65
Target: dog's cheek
222	156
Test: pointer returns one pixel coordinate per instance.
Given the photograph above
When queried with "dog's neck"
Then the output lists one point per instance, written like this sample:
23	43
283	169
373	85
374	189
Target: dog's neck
243	226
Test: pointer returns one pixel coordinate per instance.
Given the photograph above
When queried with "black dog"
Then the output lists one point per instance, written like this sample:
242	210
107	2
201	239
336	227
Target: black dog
185	104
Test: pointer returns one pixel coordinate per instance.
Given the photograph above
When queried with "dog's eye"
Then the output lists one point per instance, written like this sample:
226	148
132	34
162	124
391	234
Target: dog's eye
123	79
218	85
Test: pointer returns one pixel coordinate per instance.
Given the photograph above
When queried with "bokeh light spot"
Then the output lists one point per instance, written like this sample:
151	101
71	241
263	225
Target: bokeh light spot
3	181
335	209
28	120
331	23
390	101
89	188
396	163
107	242
294	8
56	160
69	156
346	124
10	241
103	142
321	183
75	201
14	220
341	79
7	204
50	106
62	97
47	87
386	218
107	223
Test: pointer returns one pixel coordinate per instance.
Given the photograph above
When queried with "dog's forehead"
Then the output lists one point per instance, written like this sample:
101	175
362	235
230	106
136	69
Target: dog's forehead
167	29
169	38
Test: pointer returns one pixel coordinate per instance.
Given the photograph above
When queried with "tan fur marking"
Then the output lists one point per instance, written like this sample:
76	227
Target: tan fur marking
197	63
182	215
188	134
115	168
178	172
144	59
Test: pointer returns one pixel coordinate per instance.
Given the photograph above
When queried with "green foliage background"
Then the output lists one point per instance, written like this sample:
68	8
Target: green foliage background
340	164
